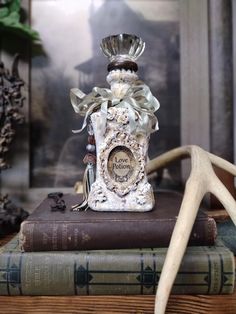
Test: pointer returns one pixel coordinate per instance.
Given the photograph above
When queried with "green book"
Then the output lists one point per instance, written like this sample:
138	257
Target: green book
226	233
204	270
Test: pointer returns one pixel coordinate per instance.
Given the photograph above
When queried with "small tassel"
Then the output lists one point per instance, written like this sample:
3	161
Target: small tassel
88	179
89	173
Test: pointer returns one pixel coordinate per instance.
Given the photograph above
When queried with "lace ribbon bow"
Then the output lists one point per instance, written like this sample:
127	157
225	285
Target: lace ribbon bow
139	101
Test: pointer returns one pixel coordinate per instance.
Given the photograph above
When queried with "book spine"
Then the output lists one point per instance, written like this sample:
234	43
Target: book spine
36	236
112	273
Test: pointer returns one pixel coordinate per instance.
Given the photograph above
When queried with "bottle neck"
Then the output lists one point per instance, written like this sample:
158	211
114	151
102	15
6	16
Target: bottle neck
120	81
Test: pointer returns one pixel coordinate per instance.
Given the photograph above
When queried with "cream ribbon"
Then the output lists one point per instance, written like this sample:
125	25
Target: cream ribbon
139	101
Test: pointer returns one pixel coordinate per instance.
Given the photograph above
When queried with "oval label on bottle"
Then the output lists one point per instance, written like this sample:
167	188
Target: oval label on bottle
121	164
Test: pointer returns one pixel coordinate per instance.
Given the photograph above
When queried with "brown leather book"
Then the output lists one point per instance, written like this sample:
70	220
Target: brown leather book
48	230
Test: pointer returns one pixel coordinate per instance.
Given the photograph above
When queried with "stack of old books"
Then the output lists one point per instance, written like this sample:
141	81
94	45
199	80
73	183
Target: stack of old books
62	252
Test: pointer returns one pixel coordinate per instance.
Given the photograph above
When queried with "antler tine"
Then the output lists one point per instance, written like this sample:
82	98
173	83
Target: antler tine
179	240
202	180
224	196
222	163
166	158
195	189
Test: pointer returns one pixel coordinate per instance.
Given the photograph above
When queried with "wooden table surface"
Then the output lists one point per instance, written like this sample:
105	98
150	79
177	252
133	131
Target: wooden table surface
117	304
182	304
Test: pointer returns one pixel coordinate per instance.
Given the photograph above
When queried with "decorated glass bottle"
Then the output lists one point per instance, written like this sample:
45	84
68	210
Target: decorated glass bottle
122	119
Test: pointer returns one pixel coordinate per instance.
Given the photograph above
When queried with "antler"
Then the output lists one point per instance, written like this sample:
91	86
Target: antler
202	180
